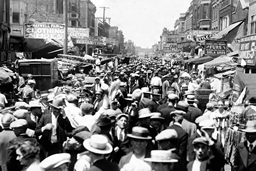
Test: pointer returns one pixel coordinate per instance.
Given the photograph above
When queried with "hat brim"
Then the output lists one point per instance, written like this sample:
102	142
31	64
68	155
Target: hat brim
138	137
87	145
161	161
57	107
249	130
145	116
156	118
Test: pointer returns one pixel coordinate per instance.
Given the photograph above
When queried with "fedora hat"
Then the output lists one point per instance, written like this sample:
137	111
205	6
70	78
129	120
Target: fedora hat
156	116
190	92
98	144
139	133
182	105
191	98
144	113
161	156
250	127
104	120
57	103
35	104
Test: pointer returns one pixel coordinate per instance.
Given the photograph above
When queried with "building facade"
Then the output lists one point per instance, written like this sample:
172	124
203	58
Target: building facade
252	17
215	8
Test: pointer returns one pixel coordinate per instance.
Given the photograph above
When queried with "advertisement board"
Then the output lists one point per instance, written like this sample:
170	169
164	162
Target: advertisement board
55	31
215	47
170	47
248	49
200	35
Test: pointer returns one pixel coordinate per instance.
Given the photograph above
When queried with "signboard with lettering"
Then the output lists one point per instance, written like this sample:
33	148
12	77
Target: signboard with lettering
248	49
215	47
170	47
169	38
200	35
55	31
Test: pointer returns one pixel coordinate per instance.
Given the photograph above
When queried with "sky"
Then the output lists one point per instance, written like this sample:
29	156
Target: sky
142	21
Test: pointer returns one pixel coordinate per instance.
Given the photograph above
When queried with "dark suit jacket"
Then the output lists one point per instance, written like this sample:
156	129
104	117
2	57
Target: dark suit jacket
243	160
192	114
126	159
104	165
63	130
182	141
147	103
214	163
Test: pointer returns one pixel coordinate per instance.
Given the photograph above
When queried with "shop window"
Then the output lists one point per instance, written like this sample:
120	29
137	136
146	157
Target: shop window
253	71
15	17
253	24
247	70
73	23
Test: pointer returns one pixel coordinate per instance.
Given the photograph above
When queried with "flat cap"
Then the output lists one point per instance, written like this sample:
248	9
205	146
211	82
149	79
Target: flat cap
18	123
55	161
167	134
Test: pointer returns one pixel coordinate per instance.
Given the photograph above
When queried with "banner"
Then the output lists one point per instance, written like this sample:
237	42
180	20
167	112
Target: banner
215	47
200	35
248	49
55	31
170	47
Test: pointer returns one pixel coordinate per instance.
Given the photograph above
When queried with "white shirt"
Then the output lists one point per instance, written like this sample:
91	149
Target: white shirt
72	112
156	81
54	129
134	159
253	145
196	165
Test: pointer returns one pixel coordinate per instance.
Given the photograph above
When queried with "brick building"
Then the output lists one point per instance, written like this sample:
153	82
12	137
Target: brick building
252	17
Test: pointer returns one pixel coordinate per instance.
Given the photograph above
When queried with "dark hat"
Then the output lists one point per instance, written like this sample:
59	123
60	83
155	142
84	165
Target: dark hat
140	133
201	140
104	121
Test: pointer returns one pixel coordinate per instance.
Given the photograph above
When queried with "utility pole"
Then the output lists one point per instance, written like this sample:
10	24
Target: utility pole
104	12
65	17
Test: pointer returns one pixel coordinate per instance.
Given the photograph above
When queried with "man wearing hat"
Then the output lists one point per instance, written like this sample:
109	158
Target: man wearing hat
205	126
162	160
156	121
72	111
245	154
19	127
98	146
194	112
172	100
96	86
139	140
5	137
28	92
35	114
143	102
177	117
207	156
56	162
54	127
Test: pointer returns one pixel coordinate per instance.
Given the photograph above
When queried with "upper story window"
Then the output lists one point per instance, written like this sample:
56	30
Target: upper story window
253	24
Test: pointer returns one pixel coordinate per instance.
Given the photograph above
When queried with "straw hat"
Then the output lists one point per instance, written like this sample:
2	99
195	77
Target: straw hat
98	144
140	133
167	135
35	104
161	156
144	113
250	127
55	161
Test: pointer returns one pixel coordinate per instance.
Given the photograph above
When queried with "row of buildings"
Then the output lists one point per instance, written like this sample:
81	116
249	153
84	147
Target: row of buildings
210	19
16	14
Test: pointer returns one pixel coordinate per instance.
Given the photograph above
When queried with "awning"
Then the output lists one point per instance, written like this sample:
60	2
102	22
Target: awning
235	53
225	31
219	61
227	73
199	60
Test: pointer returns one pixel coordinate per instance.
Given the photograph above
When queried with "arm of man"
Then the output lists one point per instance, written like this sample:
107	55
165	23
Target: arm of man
183	146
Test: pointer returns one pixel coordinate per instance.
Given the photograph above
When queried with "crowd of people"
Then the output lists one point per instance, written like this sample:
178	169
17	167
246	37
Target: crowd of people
143	116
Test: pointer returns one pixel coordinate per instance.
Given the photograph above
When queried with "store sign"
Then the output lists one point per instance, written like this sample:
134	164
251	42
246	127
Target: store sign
200	35
170	47
169	38
215	47
55	31
17	30
248	49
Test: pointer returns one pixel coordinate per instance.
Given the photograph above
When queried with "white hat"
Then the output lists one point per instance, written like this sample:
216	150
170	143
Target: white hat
167	134
55	161
185	74
34	103
172	97
18	123
98	144
145	89
144	113
31	82
161	156
207	124
178	112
